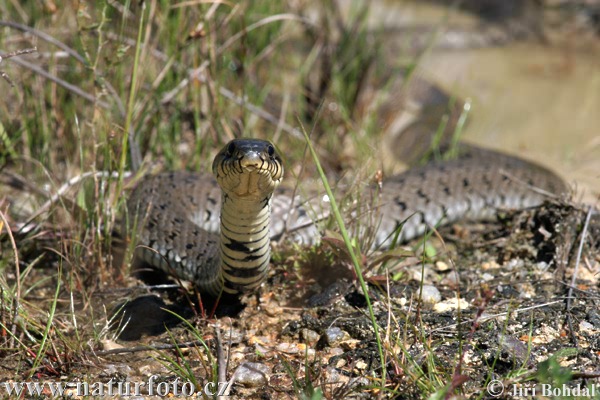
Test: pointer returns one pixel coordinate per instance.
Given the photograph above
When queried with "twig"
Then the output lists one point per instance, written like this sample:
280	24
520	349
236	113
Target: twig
44	36
259	112
221	358
492	316
18	182
17	296
197	73
576	271
70	51
134	148
258	24
67	185
10	55
530	186
137	349
61	82
230	384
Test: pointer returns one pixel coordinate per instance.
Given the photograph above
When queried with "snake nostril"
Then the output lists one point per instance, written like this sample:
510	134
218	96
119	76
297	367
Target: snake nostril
251	160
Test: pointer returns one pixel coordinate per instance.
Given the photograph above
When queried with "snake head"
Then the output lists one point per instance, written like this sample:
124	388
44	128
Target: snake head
248	168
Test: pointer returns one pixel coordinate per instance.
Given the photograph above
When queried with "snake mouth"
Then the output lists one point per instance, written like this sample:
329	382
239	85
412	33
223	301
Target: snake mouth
251	162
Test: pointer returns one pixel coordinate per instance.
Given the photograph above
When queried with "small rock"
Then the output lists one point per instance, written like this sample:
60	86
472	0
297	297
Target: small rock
145	370
359	382
487	277
514	264
272	310
110	345
585	326
594	317
451	304
489	265
259	349
350	344
518	351
336	351
118	369
332	374
527	291
430	295
360	365
340	363
542	266
333	336
441	266
291	348
232	335
252	374
295	348
309	336
450	280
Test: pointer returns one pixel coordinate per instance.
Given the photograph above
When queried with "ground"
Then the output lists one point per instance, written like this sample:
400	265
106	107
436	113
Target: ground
511	310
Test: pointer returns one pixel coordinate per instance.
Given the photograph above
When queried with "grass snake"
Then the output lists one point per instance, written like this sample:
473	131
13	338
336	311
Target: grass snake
216	231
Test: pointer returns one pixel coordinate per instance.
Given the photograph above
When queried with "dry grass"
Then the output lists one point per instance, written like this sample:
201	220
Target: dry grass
115	90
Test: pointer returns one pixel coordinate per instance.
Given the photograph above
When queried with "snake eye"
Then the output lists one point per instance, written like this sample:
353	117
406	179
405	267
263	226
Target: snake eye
230	148
270	150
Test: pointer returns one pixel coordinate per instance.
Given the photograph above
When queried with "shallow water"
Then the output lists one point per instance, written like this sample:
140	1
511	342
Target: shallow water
541	102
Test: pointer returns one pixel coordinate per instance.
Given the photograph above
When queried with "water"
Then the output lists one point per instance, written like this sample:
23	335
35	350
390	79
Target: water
539	101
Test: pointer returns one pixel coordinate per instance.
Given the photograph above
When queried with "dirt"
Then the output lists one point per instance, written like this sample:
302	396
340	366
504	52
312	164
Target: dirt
518	308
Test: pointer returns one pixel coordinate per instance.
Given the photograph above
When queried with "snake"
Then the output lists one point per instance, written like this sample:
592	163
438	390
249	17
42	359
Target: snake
216	230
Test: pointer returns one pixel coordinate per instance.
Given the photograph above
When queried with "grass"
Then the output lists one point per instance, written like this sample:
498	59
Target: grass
358	267
119	89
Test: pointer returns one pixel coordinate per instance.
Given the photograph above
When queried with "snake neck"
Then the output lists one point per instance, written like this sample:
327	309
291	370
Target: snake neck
245	242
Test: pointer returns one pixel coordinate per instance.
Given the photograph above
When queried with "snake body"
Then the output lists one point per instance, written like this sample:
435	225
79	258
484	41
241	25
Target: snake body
216	231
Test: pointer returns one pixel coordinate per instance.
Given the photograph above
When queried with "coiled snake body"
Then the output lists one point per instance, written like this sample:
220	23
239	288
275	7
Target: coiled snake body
216	232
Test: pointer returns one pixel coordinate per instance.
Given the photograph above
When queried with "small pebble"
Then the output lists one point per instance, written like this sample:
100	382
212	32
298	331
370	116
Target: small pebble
489	265
359	382
261	349
232	335
332	374
516	349
360	365
309	336
118	369
450	280
451	304
252	374
333	336
514	264
336	351
441	266
145	370
110	345
486	277
430	295
594	317
291	348
542	266
585	326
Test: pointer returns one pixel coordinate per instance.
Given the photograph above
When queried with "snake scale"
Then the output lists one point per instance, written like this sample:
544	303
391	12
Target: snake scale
217	232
